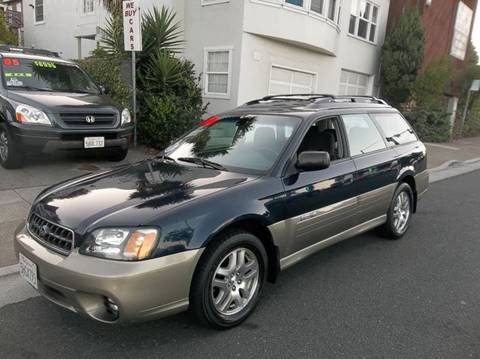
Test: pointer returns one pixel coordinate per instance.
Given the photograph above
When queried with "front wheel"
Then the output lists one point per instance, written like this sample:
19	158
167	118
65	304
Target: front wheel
228	280
399	214
10	157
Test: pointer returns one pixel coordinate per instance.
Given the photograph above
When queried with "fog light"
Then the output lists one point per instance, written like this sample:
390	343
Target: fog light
112	307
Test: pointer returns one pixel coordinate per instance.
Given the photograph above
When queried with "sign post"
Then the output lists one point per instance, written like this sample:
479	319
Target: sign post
475	88
132	35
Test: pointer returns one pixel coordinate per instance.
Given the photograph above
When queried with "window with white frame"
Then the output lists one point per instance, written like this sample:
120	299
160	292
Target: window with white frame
328	8
88	6
284	81
217	69
461	34
38	10
364	20
353	83
212	2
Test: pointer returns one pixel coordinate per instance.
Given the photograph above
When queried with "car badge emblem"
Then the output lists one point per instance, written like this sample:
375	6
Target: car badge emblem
90	119
44	230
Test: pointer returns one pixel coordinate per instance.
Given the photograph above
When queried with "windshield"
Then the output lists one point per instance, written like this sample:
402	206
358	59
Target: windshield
250	144
39	75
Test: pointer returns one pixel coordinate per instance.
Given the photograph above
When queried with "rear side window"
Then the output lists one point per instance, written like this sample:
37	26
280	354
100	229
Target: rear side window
396	128
363	136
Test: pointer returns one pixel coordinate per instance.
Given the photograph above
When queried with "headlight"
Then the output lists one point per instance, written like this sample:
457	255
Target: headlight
126	118
121	243
31	115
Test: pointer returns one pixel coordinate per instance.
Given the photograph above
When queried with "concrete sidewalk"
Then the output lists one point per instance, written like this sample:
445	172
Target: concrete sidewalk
18	188
459	150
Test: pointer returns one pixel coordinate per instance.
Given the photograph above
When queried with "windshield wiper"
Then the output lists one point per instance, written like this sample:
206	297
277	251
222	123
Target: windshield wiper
394	137
163	157
203	162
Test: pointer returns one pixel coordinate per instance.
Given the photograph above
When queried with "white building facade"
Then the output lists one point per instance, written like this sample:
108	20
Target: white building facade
245	49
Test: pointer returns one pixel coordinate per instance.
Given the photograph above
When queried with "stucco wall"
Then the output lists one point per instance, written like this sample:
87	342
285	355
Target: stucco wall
218	25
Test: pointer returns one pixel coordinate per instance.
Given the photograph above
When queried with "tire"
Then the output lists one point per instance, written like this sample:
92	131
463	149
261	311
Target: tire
10	156
238	295
396	228
116	154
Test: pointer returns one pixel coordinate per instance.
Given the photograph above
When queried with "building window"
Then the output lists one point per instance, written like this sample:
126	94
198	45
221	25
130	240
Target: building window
212	2
353	83
327	8
88	6
218	65
286	81
39	16
295	2
461	34
363	20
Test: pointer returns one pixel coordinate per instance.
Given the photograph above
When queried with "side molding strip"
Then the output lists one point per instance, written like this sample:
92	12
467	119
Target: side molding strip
361	228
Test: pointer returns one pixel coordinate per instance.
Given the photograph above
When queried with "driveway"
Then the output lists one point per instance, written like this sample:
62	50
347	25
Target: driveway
19	187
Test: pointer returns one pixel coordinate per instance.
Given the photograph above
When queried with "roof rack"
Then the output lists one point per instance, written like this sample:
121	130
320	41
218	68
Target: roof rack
347	98
291	97
27	50
318	98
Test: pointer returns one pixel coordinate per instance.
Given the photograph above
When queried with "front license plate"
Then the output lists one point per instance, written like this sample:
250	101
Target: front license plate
28	271
94	142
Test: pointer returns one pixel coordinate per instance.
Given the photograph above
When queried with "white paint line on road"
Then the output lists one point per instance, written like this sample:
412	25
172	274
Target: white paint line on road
445	147
15	290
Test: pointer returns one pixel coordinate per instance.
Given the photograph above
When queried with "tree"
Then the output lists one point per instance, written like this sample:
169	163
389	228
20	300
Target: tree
6	35
402	57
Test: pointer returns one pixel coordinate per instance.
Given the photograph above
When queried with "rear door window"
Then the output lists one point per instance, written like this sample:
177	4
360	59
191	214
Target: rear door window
363	136
396	129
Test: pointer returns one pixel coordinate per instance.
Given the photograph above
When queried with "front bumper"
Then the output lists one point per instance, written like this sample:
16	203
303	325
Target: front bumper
141	290
50	139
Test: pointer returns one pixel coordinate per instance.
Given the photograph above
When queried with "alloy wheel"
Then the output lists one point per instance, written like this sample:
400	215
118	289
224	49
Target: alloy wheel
235	281
401	212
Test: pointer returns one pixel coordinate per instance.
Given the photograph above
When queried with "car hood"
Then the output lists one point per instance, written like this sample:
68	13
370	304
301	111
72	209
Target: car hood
54	102
133	195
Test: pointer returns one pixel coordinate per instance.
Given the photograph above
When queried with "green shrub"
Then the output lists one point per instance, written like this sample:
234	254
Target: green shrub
430	87
431	125
171	105
6	35
107	72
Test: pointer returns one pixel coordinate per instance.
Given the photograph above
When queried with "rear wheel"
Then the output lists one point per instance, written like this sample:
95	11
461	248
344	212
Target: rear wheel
116	154
399	214
228	280
10	157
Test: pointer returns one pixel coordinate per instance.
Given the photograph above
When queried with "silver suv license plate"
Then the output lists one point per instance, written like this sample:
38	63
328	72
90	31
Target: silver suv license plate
94	142
28	271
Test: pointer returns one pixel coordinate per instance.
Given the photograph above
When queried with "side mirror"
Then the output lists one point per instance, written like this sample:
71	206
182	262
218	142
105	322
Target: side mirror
103	90
313	160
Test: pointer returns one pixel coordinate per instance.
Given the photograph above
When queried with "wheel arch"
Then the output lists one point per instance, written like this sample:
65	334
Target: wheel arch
409	178
257	226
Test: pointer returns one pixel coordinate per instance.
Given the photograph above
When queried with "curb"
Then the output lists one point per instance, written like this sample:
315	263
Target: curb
446	170
451	169
9	270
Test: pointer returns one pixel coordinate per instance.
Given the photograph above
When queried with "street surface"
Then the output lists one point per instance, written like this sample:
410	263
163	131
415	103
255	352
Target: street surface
364	298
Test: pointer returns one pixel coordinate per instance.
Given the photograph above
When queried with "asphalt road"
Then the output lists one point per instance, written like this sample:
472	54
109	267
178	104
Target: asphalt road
363	298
